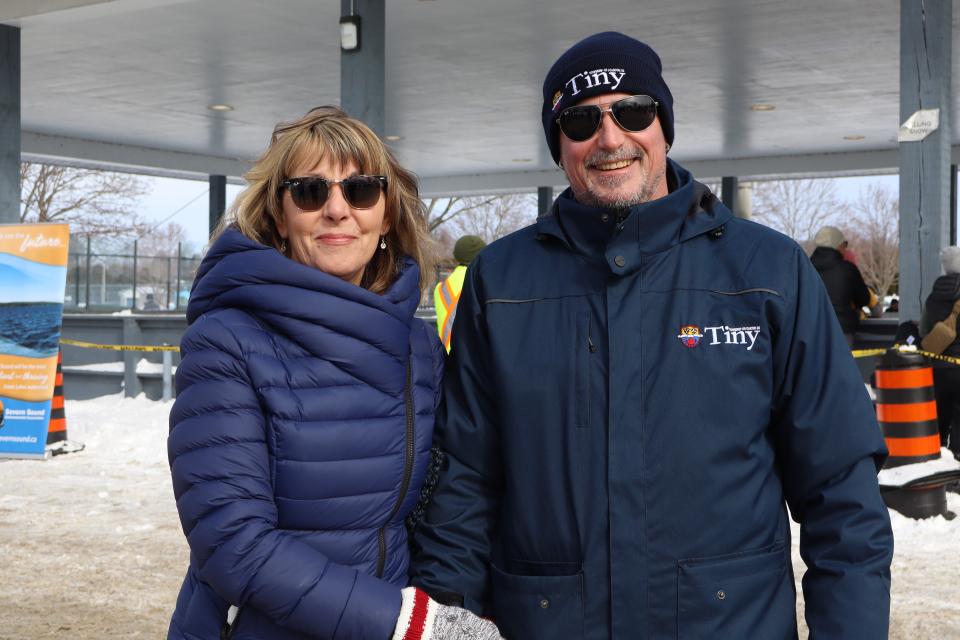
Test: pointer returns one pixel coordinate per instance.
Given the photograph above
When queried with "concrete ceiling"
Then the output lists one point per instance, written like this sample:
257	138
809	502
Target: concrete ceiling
128	82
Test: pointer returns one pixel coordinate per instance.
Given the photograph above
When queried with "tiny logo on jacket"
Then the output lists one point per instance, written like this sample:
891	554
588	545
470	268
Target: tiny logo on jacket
690	335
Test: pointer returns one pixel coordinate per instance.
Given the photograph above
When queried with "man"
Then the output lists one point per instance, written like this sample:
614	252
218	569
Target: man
447	293
845	286
639	385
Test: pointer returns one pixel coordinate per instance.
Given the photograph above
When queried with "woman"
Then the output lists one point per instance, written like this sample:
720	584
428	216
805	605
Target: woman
946	377
305	401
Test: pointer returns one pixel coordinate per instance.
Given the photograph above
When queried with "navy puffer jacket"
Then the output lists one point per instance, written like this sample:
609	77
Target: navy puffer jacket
298	443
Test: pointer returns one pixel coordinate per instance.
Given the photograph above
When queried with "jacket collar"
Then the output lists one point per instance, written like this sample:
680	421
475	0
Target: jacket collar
689	210
326	316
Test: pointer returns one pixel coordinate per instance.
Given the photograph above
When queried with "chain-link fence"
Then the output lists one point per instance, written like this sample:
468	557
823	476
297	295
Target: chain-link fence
110	275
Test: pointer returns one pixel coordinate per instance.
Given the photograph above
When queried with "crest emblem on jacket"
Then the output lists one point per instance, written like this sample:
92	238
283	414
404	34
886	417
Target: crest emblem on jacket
690	335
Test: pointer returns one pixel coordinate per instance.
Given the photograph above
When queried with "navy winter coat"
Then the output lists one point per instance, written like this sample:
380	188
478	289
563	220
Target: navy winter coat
298	443
628	411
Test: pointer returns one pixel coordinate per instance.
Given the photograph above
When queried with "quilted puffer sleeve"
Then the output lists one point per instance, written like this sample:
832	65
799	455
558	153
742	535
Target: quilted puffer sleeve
222	483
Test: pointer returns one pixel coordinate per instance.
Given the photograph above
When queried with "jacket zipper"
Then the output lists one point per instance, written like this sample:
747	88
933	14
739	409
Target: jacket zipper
407	473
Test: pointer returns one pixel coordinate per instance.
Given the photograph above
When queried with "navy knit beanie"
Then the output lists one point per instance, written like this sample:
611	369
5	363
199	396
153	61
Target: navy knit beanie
606	62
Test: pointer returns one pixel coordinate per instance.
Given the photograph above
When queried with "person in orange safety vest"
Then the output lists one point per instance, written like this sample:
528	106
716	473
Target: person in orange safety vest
447	292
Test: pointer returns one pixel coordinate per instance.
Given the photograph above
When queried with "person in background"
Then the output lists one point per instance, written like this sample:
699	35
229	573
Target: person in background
151	303
845	286
306	395
946	376
638	387
447	293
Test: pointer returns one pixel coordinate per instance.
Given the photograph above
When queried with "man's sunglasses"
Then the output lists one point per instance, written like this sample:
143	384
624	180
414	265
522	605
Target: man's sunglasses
635	113
311	192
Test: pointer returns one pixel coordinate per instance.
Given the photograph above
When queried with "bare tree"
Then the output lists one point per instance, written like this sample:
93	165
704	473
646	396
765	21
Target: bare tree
875	237
503	215
443	210
489	217
797	208
93	202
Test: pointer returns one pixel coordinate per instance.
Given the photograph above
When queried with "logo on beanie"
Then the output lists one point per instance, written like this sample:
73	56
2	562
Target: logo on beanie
590	79
556	99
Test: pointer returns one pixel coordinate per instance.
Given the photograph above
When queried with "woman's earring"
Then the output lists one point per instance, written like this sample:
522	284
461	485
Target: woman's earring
283	245
383	243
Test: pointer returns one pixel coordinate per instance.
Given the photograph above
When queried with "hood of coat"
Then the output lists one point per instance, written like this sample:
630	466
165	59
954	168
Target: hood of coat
689	210
824	258
328	317
946	288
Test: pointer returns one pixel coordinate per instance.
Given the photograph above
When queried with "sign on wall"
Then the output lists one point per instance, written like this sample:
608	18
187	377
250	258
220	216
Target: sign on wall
33	275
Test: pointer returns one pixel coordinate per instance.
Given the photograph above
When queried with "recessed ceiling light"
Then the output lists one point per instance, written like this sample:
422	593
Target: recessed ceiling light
521	160
853	137
393	138
220	107
760	106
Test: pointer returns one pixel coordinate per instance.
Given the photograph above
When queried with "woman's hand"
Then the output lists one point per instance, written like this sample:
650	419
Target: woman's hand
422	618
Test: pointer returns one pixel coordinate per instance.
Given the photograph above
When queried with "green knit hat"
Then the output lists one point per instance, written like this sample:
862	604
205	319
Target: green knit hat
467	248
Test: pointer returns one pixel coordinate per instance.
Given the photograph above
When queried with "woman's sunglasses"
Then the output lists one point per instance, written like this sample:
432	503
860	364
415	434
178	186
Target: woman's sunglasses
311	192
635	113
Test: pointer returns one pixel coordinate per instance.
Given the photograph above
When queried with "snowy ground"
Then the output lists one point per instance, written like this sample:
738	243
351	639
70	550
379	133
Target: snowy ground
91	548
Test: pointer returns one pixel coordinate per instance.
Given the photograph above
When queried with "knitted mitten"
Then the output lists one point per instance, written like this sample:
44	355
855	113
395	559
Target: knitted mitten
422	618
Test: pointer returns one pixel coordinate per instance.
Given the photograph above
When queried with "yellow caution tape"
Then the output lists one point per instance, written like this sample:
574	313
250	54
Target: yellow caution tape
941	358
119	347
867	353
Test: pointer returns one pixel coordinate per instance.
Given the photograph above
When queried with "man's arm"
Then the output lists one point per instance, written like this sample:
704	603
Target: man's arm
829	450
453	543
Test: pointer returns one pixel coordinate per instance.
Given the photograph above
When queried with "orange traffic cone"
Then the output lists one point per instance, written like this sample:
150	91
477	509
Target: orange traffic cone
57	431
57	442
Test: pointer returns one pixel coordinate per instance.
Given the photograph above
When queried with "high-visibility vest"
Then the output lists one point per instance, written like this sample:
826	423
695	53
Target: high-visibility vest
445	298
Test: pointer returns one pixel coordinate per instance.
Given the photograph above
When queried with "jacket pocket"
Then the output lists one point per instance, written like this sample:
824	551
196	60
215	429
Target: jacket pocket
743	595
581	363
537	607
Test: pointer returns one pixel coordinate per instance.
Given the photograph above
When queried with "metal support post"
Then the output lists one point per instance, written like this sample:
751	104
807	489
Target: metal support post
133	303
179	258
218	200
10	125
131	335
926	30
728	193
86	299
363	70
544	200
167	374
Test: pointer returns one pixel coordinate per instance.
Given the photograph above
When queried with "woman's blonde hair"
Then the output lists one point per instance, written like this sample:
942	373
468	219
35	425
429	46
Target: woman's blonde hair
329	131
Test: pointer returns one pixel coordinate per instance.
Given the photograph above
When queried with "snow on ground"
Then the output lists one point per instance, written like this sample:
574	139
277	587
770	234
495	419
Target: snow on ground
90	542
91	547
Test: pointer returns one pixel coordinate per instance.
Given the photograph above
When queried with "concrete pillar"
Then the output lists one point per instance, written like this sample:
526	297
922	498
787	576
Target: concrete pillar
363	70
544	200
131	335
218	200
925	70
9	124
